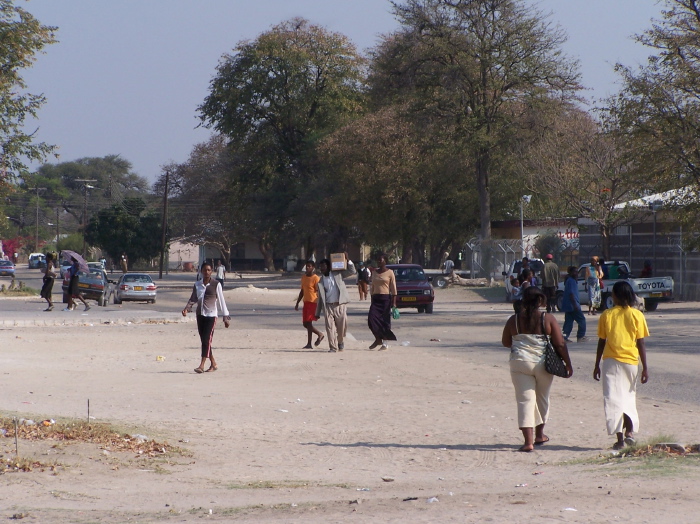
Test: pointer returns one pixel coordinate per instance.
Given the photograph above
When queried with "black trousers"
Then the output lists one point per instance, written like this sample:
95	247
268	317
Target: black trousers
205	326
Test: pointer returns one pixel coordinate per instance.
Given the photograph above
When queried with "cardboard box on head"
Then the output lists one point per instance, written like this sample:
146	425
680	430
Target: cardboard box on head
338	262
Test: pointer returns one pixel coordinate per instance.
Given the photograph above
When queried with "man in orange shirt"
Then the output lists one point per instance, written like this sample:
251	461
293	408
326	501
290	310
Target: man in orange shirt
310	295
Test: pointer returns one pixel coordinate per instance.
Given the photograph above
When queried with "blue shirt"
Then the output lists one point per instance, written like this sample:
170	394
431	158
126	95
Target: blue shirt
570	288
74	270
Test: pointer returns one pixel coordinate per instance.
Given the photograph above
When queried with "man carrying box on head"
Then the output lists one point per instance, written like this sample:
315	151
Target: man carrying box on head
333	298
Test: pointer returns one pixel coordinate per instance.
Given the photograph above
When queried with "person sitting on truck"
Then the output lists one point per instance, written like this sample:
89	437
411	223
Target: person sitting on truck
594	273
646	270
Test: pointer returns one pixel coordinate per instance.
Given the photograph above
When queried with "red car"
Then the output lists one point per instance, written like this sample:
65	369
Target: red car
414	287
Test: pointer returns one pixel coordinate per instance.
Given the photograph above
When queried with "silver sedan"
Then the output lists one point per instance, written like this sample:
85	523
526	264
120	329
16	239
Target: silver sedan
135	286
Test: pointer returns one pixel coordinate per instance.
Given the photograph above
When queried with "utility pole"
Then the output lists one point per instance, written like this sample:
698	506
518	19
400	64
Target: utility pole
36	245
164	223
86	186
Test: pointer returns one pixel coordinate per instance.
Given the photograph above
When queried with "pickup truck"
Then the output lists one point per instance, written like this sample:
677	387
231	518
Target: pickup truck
536	264
652	290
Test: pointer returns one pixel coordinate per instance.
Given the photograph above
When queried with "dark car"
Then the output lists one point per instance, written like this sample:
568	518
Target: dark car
93	285
7	268
414	287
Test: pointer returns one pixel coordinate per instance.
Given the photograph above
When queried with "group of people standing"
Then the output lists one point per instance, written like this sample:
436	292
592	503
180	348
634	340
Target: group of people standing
621	334
326	295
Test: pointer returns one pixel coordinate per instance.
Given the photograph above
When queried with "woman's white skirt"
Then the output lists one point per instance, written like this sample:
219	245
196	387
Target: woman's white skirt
619	394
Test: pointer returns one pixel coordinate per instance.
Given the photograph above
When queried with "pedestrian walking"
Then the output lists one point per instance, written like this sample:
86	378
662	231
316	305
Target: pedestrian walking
332	302
74	287
209	297
621	334
363	277
571	305
48	280
221	273
526	333
383	293
309	293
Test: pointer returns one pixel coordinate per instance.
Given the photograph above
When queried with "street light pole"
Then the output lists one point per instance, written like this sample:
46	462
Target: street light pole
85	182
524	200
36	244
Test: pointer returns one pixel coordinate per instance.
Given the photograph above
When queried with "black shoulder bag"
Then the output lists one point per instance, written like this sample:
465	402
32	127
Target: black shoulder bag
553	363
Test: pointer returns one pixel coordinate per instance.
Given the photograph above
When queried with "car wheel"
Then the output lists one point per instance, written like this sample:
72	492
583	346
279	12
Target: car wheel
650	305
560	300
429	309
116	300
101	301
421	309
152	301
440	282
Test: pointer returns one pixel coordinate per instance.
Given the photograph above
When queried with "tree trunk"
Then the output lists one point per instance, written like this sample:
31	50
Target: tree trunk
605	234
407	252
482	182
266	250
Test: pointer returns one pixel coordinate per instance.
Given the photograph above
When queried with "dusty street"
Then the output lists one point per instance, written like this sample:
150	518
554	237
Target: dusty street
282	434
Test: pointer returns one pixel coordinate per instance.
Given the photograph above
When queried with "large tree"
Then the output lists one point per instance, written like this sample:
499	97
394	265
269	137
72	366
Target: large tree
577	167
476	65
206	205
22	37
129	228
273	98
658	107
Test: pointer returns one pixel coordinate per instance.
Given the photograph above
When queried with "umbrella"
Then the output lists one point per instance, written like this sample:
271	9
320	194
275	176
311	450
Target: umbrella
67	254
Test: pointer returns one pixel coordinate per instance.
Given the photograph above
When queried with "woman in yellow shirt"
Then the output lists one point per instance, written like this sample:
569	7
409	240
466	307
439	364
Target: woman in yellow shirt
383	291
621	333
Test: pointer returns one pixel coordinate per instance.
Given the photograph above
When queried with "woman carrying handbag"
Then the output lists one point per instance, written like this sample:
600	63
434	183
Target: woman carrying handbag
527	334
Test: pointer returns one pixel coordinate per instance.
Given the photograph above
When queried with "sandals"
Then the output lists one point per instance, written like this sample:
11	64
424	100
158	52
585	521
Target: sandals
318	341
198	370
546	439
211	369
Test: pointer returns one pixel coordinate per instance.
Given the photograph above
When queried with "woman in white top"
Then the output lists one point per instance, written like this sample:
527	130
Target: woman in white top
206	293
524	335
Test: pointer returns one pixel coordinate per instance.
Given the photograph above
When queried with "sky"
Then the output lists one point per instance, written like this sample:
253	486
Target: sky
126	76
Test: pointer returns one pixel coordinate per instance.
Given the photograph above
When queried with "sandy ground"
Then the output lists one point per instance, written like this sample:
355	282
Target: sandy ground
282	434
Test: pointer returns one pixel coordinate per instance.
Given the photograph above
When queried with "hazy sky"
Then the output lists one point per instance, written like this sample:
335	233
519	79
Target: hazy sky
127	75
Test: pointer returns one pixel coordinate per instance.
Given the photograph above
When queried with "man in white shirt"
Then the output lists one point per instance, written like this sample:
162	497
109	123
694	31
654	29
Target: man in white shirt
220	273
332	300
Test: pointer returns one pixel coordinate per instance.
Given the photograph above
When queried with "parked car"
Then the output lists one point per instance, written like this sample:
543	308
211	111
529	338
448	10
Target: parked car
37	260
135	286
93	285
652	290
96	266
7	268
414	287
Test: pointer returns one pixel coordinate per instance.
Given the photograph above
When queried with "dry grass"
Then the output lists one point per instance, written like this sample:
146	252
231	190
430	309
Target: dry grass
104	435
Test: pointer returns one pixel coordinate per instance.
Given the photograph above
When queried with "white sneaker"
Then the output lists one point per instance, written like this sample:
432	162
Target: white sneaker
67	309
384	347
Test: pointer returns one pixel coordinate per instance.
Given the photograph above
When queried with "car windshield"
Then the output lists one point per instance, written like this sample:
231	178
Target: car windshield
5	263
142	279
409	274
535	265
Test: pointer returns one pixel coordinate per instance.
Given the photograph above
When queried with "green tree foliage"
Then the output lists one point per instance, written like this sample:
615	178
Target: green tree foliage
394	184
273	98
116	230
21	38
114	183
476	66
